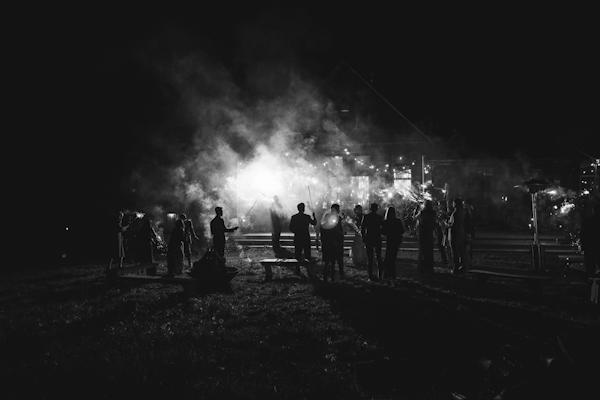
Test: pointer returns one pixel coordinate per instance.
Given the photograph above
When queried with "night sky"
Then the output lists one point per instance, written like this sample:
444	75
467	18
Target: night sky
86	94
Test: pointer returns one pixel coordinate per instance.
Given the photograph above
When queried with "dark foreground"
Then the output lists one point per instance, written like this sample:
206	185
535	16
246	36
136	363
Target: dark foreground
64	333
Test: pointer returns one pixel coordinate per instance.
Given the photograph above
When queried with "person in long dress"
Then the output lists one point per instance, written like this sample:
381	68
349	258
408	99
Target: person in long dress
457	236
393	229
175	250
358	252
189	235
118	249
277	217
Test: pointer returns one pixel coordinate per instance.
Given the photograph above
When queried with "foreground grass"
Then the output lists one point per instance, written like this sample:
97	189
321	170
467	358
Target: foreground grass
65	333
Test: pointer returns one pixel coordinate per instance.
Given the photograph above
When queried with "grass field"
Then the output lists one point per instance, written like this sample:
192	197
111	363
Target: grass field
66	334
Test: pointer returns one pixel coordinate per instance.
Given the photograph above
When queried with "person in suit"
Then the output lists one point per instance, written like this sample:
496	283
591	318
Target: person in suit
299	224
371	232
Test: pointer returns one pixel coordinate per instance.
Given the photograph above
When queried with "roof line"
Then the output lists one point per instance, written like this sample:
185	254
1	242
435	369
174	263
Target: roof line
379	94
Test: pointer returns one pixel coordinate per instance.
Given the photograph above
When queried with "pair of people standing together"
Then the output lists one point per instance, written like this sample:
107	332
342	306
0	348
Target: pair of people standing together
332	239
373	227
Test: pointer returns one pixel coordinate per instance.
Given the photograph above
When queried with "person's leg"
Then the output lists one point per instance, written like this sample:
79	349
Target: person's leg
379	259
369	247
340	258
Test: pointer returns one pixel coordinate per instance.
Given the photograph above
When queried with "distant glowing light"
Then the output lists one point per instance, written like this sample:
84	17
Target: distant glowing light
171	215
565	208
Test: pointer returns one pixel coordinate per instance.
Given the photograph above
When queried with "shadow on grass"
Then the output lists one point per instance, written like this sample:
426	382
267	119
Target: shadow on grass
435	331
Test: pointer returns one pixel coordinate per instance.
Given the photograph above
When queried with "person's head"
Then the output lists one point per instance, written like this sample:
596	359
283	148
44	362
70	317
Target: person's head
301	207
458	203
358	209
182	217
219	211
120	215
335	207
188	223
374	207
390	213
276	199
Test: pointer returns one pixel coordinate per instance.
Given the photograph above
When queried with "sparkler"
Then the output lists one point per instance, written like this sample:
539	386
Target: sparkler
310	198
246	216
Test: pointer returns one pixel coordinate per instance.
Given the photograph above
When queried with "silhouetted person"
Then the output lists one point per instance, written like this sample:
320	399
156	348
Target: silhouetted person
371	232
441	231
175	250
218	230
469	235
277	217
457	235
299	224
393	229
426	224
332	236
189	235
359	253
146	238
118	247
590	240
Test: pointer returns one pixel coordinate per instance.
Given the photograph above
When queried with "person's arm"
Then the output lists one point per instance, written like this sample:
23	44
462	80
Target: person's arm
313	220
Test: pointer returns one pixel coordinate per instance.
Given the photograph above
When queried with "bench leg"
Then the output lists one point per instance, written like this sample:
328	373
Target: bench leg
268	273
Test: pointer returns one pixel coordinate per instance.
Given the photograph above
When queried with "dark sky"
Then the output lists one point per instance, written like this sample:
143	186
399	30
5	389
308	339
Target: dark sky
503	77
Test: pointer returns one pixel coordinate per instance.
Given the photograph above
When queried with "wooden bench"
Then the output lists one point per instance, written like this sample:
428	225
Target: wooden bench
573	262
286	263
190	286
533	281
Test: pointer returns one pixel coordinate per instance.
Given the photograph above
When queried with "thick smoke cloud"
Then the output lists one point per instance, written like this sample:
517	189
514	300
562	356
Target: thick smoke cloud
222	146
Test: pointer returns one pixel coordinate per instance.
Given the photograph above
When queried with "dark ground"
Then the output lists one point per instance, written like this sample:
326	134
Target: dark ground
64	332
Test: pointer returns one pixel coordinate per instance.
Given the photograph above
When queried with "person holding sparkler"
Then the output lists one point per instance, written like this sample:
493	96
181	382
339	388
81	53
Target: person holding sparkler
299	227
218	230
175	250
371	232
332	236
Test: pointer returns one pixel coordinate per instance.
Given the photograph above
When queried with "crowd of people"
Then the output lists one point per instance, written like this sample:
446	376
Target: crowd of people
448	226
454	232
